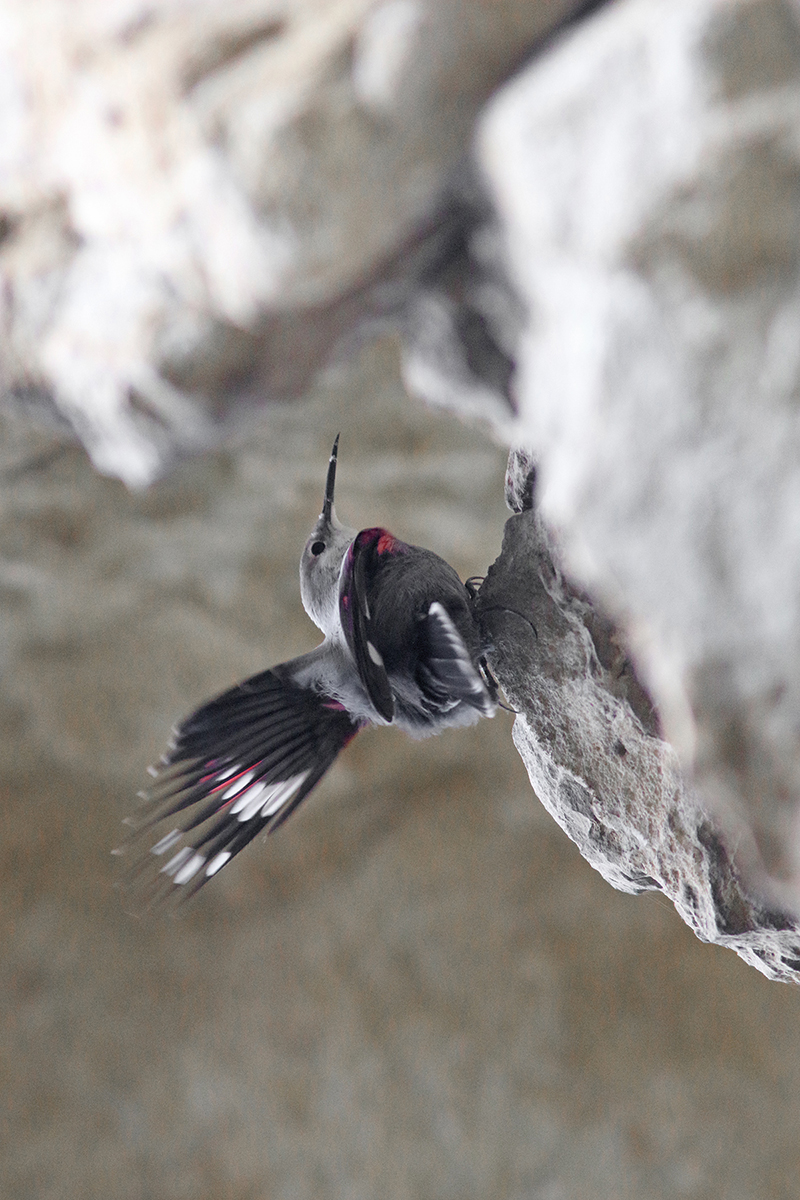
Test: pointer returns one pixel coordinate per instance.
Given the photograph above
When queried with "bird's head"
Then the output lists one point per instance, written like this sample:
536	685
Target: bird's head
321	560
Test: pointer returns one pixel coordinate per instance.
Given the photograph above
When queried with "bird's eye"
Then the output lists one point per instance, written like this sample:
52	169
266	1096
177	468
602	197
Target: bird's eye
317	548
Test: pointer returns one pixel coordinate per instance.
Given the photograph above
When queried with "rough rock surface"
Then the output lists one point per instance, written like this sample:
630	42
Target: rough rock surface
647	178
590	739
196	197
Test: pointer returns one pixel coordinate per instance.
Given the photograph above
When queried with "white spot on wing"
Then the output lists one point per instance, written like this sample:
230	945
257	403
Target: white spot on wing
244	801
238	785
167	842
191	868
282	793
256	799
177	861
374	654
217	862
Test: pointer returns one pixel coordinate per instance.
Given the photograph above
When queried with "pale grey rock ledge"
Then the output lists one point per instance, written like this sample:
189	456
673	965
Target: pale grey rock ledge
646	177
200	201
589	737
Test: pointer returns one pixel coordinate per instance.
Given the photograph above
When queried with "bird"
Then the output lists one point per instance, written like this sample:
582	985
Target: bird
402	646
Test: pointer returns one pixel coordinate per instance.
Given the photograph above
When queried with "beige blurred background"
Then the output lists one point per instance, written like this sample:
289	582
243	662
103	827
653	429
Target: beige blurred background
418	990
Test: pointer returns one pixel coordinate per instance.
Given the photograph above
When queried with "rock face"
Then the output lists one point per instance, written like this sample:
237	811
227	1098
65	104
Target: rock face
647	179
195	198
590	739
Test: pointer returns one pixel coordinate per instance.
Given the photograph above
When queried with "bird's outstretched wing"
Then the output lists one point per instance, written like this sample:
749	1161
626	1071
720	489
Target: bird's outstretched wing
239	764
361	561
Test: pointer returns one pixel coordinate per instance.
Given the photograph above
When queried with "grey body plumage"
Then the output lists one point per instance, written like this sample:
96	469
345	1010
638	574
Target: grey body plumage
401	646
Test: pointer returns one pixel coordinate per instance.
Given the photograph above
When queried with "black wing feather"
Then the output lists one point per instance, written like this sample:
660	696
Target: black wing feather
240	764
357	621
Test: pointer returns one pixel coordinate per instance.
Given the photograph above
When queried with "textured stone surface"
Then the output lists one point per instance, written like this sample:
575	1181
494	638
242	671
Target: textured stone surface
647	176
194	196
462	323
590	739
419	990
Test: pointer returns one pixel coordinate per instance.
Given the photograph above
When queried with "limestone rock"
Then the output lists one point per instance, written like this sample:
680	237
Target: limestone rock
462	322
647	177
193	196
590	739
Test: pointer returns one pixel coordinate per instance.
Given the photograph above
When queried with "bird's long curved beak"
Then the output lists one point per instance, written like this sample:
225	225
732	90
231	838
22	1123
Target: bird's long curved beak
327	504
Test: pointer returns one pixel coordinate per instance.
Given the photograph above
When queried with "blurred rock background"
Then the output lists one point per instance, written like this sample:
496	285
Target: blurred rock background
419	988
